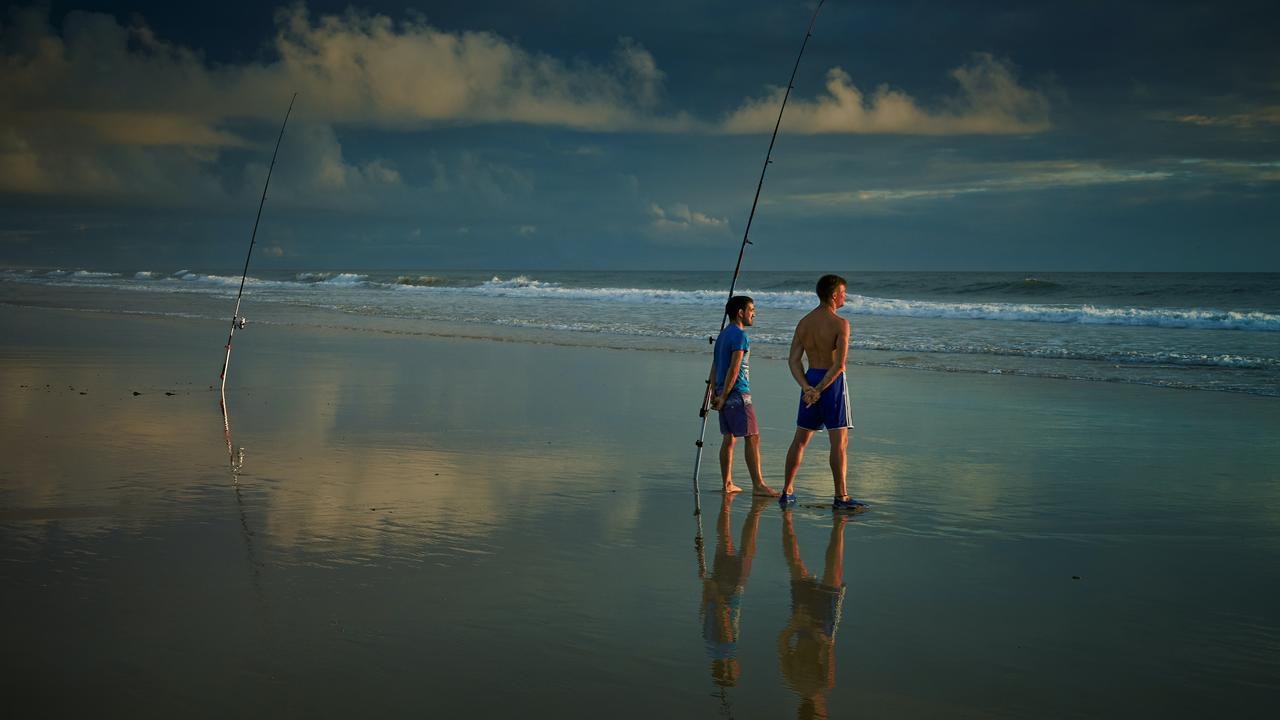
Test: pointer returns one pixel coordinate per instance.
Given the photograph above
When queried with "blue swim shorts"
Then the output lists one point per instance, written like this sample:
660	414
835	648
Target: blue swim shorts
832	409
737	417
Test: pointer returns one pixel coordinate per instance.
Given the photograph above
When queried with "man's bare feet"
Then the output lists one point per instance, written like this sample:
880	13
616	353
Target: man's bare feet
763	491
731	489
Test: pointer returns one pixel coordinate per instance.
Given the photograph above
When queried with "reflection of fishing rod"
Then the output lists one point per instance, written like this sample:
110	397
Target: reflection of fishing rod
235	459
236	320
706	394
701	548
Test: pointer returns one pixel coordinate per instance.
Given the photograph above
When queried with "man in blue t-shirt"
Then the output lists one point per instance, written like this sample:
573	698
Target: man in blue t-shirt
731	395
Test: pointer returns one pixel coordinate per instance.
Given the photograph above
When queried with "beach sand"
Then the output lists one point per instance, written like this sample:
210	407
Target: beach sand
427	526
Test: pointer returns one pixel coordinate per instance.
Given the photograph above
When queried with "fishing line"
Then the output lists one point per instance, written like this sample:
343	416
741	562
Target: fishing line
238	322
746	234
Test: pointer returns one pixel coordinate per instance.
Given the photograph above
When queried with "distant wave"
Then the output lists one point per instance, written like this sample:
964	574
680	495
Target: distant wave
522	286
330	278
1027	286
1202	318
1208	319
220	280
520	282
1128	357
940	348
421	281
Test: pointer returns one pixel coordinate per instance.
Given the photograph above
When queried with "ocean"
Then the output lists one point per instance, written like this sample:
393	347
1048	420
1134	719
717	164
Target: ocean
1195	331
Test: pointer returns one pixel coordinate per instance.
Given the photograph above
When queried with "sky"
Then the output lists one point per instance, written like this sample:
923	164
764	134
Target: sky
576	134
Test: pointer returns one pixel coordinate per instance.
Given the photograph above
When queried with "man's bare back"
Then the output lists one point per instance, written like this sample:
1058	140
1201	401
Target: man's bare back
822	338
819	333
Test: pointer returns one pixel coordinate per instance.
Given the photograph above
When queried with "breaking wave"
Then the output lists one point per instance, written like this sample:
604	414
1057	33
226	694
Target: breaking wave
303	286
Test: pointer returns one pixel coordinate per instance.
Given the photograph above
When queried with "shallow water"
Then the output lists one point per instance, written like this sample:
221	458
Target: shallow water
1206	331
468	527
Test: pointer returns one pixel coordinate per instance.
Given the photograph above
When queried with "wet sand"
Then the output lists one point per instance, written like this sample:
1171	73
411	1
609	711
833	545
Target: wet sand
414	525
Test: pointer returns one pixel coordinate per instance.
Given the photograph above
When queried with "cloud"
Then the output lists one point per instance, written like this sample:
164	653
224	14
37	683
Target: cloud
989	102
680	218
1240	171
17	237
128	86
1259	117
103	108
368	69
317	168
1017	177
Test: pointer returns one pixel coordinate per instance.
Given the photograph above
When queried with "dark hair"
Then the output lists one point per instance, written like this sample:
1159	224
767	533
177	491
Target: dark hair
827	285
736	303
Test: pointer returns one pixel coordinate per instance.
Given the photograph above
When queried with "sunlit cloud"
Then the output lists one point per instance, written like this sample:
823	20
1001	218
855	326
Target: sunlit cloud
103	108
129	86
680	217
1019	177
1247	171
1255	118
368	69
990	101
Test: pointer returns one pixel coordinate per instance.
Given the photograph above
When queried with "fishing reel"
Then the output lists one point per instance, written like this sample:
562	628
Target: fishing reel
239	322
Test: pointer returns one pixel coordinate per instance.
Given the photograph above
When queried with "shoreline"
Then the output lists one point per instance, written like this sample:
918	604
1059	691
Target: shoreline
445	331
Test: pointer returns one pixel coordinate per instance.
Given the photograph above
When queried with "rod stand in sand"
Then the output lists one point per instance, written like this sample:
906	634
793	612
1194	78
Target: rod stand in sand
746	234
237	321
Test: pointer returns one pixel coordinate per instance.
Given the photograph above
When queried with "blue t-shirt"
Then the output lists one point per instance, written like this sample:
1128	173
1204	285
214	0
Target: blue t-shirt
732	338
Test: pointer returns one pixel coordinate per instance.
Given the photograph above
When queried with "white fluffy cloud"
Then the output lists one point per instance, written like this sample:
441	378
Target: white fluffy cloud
989	102
124	85
680	218
369	69
105	108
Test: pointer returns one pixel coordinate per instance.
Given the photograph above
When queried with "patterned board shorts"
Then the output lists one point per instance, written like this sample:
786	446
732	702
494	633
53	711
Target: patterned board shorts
738	417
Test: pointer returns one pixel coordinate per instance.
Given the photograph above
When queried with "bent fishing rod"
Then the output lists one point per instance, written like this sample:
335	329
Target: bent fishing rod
238	322
746	234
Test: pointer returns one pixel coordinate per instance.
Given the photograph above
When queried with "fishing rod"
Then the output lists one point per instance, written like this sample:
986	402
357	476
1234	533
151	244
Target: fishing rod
746	234
238	322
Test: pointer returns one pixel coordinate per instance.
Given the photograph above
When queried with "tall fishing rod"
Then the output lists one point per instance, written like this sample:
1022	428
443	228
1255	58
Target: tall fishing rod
238	322
746	234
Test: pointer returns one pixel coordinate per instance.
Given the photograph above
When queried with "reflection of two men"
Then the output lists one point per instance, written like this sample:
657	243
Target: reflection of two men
806	647
722	590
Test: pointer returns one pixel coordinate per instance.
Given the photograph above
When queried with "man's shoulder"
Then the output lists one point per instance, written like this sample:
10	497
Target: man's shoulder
734	334
810	318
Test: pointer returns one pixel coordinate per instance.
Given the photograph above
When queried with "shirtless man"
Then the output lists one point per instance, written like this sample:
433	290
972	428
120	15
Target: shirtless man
822	337
731	396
